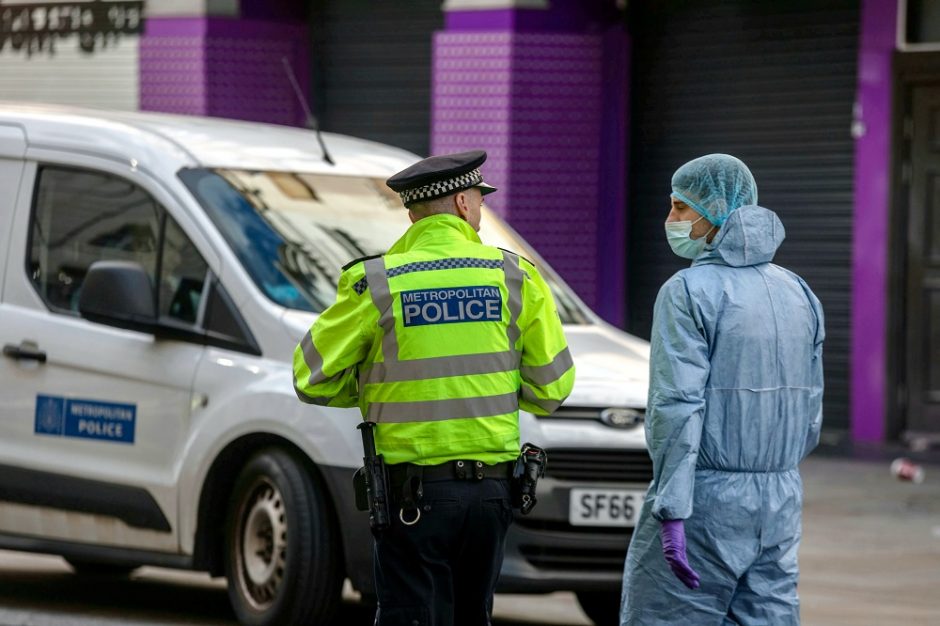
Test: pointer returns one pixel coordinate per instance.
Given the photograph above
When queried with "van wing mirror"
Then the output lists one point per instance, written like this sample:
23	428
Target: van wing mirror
118	293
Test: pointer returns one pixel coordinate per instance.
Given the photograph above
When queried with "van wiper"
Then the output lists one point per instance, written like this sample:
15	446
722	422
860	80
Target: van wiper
310	121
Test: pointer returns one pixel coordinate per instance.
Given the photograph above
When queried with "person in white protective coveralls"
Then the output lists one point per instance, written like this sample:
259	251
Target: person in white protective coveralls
735	403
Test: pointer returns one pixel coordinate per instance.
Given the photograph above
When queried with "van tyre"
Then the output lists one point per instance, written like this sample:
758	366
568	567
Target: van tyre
602	607
280	554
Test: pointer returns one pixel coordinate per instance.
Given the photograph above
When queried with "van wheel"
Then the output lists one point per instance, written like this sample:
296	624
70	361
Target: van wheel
602	607
97	569
280	554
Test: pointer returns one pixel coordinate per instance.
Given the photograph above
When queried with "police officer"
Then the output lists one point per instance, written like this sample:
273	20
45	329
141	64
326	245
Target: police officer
440	342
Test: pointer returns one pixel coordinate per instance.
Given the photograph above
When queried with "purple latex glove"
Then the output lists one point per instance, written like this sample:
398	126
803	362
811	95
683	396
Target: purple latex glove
672	534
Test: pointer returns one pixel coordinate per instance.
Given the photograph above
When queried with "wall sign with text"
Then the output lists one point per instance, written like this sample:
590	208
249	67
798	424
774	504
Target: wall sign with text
37	26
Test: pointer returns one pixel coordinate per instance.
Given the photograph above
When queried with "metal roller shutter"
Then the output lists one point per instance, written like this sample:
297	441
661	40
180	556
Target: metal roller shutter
372	69
772	83
108	77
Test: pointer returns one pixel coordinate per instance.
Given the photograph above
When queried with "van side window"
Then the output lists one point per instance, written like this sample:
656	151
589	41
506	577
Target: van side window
224	326
182	275
83	216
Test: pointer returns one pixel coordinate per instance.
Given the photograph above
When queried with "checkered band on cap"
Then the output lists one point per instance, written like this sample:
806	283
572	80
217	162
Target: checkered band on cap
441	187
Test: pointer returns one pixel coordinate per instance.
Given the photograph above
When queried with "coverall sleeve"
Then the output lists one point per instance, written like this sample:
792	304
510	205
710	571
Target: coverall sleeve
326	359
679	369
816	372
547	368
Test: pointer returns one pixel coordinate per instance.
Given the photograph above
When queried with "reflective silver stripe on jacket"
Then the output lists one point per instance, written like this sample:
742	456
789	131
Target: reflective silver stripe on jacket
435	410
549	406
459	365
314	361
547	374
514	280
382	299
319	400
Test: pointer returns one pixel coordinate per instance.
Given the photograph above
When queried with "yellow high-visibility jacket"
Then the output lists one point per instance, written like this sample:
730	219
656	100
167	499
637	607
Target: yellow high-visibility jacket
439	342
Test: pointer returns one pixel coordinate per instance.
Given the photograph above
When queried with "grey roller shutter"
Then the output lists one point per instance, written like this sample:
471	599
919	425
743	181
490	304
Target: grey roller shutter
372	69
108	77
772	83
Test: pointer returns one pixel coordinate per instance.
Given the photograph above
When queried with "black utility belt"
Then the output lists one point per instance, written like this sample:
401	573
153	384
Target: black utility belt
451	470
378	485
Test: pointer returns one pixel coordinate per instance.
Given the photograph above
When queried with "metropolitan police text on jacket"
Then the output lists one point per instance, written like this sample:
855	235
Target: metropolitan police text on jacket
458	304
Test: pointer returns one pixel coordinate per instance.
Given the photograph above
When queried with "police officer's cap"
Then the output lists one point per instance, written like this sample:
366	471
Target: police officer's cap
440	176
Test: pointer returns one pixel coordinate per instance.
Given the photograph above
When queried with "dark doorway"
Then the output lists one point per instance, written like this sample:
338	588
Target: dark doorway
772	83
917	260
371	64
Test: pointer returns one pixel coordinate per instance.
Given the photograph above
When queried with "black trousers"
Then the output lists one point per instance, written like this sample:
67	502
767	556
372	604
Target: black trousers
442	571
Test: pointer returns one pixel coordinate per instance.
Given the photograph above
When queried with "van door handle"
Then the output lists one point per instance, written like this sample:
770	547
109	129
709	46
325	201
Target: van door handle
26	351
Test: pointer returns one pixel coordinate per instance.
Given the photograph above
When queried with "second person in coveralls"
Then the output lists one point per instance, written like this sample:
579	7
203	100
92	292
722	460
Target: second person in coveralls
735	403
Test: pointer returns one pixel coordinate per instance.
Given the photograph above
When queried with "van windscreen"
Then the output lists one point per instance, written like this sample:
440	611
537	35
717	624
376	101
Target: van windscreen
293	231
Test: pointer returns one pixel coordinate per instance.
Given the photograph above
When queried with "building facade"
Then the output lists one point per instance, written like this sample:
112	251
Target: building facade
586	108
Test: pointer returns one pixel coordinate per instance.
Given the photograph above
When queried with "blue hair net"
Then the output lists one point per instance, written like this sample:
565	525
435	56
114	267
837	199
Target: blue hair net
715	185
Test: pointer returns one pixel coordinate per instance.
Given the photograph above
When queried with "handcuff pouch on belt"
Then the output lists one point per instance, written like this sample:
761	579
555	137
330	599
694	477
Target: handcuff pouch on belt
410	495
530	466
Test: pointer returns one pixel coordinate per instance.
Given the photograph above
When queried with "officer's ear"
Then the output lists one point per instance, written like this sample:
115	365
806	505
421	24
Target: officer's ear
462	202
412	216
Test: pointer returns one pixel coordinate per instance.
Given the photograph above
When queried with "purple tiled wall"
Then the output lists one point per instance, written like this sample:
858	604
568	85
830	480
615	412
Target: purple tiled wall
471	102
173	66
872	207
223	67
536	102
247	79
612	238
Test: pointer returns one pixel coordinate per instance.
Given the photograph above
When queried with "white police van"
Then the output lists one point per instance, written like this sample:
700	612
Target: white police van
156	273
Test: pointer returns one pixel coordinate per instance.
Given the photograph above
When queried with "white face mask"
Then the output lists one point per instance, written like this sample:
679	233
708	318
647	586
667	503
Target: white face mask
679	236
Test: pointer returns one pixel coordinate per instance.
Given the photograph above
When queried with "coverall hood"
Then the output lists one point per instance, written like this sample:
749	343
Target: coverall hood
750	236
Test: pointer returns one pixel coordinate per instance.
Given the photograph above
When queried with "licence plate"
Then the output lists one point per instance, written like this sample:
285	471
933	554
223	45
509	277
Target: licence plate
604	507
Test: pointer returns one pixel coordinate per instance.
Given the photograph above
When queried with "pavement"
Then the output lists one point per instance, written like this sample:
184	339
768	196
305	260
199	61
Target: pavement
871	543
870	556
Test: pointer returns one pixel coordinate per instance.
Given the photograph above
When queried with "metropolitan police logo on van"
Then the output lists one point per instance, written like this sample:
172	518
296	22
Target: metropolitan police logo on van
450	305
86	419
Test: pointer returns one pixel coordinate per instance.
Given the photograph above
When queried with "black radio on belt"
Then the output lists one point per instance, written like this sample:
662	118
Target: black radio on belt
530	466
